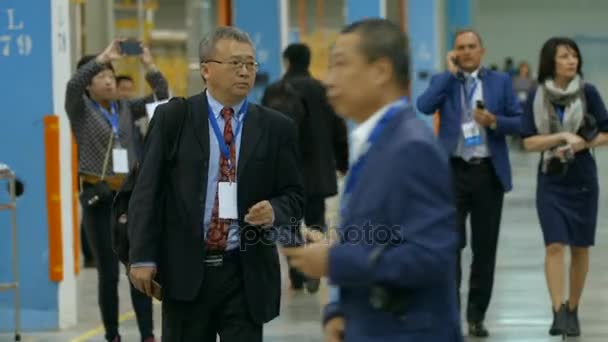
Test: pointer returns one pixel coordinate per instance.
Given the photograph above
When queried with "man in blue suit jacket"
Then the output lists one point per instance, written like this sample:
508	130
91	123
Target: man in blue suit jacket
477	108
394	265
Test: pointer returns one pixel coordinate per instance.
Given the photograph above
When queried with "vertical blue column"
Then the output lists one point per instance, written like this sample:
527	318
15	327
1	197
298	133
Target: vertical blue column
458	15
361	9
423	19
262	20
26	82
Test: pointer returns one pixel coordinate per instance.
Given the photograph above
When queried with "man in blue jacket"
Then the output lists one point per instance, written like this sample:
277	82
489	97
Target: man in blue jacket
394	265
477	108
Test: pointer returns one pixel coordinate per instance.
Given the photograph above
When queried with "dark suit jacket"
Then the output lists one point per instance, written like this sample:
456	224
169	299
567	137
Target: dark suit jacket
323	136
267	170
405	190
443	94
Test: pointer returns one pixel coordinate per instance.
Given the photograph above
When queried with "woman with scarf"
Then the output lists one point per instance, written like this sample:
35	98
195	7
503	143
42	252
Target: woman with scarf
565	117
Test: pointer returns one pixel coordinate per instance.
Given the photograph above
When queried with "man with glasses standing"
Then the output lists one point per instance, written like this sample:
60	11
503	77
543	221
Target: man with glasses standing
234	176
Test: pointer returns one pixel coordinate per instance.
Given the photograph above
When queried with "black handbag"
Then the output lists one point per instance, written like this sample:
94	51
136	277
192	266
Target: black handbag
99	193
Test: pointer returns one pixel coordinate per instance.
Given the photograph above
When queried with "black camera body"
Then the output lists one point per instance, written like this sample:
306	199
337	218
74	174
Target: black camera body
390	300
386	298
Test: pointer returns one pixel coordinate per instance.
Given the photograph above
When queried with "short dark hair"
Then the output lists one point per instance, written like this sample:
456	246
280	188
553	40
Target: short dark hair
87	58
462	31
381	38
546	65
121	78
298	55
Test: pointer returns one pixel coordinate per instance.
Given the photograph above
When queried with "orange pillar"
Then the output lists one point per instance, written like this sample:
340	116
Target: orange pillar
320	15
75	207
403	14
53	196
224	15
302	17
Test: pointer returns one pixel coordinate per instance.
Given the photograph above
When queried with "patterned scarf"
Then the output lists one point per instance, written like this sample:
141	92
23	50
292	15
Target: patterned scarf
547	120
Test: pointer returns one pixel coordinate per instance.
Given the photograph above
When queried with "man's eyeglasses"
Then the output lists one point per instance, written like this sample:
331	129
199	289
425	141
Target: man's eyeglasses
236	65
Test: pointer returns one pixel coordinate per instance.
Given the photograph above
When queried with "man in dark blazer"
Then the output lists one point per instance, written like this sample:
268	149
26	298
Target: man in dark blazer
323	139
234	178
394	266
477	108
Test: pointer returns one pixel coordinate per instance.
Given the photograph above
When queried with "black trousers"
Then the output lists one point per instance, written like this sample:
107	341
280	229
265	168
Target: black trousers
219	309
314	218
96	222
479	195
84	242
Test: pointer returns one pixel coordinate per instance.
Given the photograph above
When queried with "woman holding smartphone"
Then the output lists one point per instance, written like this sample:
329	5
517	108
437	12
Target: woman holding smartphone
103	127
564	118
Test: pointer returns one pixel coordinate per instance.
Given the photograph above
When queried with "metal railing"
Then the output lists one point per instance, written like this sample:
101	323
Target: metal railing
7	174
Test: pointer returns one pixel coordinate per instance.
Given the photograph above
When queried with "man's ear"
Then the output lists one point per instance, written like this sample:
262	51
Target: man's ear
204	70
382	71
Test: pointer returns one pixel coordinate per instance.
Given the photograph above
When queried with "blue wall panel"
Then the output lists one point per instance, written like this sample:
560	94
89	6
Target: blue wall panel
261	19
422	30
26	88
458	16
360	9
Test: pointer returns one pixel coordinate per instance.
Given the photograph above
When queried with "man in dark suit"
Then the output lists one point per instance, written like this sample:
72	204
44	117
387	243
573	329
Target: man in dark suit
473	134
394	265
323	139
233	178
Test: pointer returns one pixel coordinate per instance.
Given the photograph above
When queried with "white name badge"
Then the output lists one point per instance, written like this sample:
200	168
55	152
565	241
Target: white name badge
120	160
151	107
227	200
523	96
472	136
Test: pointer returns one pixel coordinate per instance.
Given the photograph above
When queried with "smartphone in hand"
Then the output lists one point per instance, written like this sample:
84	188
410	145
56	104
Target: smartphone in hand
131	48
157	290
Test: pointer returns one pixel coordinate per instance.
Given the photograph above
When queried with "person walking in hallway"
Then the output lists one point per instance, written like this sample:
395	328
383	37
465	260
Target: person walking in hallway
102	124
564	118
322	139
231	178
477	107
394	266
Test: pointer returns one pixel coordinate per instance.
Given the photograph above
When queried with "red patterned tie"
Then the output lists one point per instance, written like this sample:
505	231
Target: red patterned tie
218	228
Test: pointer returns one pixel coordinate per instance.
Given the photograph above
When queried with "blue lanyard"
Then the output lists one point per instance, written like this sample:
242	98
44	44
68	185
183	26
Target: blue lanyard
220	136
112	117
357	166
469	96
560	112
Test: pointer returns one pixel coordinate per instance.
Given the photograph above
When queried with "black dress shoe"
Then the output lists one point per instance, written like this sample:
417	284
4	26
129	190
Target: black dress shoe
558	327
478	329
573	327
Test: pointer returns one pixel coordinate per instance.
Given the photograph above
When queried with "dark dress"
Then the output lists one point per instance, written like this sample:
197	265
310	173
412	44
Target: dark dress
567	204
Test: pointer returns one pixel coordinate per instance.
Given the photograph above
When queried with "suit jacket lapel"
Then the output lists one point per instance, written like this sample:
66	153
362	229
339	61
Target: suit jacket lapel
486	87
374	160
200	126
199	111
457	94
253	129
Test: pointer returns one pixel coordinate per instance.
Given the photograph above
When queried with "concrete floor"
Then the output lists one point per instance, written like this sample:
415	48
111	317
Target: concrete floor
520	310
